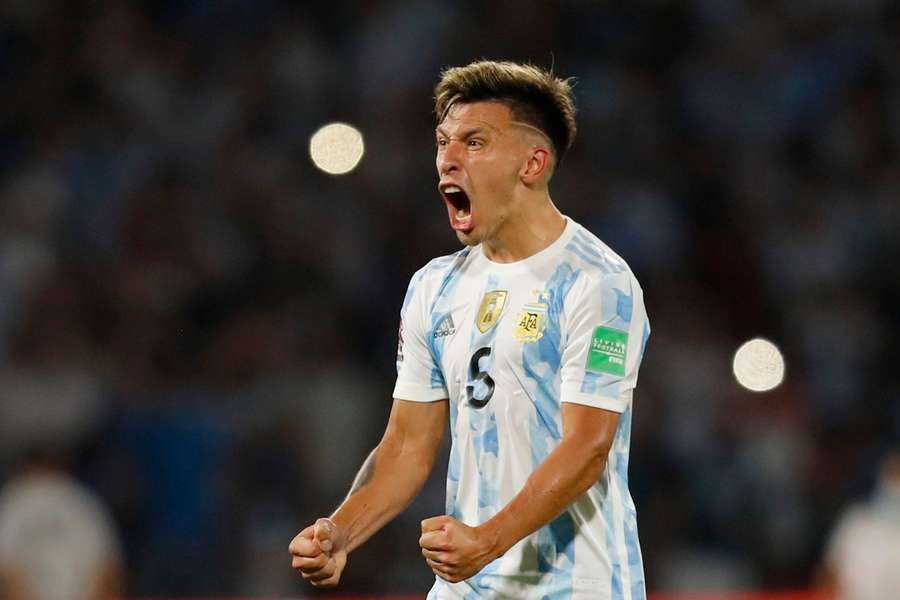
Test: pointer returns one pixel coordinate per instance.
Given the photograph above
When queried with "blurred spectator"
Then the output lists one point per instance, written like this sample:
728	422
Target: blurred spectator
862	561
57	539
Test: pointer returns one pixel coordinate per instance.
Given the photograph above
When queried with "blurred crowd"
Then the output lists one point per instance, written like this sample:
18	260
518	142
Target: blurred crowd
203	326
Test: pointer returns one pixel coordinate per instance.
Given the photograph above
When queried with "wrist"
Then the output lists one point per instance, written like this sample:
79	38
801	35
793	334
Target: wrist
342	530
496	535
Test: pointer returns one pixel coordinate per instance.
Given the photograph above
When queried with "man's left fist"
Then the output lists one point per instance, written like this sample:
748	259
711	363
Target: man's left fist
453	550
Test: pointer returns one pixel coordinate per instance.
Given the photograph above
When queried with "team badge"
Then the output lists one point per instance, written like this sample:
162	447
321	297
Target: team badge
491	308
531	322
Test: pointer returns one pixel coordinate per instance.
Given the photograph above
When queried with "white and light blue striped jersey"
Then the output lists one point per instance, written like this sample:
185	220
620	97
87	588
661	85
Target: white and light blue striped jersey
507	344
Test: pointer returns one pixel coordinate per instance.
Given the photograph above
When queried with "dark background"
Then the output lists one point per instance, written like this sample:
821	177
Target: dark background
207	324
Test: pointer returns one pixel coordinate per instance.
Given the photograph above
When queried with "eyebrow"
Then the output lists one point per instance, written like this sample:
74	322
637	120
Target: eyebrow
466	133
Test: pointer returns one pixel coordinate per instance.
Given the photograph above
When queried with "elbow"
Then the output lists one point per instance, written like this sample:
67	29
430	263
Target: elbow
586	463
596	457
596	464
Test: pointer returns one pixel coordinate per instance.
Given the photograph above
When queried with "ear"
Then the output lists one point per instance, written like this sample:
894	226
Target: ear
538	166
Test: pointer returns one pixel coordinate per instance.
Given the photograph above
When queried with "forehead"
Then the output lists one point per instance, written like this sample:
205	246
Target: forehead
490	115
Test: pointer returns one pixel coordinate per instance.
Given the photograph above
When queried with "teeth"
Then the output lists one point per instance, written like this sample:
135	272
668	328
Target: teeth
463	216
451	189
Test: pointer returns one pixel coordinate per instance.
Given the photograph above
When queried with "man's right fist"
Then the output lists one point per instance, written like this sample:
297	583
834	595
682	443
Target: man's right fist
319	553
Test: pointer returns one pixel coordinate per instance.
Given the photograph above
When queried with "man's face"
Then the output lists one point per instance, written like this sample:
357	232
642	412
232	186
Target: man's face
480	153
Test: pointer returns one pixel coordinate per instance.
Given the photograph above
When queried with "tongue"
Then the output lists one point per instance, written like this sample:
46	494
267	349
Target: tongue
460	219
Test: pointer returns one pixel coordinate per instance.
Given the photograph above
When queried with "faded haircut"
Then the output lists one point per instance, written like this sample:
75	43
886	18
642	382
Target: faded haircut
534	96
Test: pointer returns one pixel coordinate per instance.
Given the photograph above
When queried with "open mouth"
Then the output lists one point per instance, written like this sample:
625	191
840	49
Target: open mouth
459	207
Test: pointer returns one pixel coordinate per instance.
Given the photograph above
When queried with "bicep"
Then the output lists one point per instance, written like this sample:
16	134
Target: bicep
417	427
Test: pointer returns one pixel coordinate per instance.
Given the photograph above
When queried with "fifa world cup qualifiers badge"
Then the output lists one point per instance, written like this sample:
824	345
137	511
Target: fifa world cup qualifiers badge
607	351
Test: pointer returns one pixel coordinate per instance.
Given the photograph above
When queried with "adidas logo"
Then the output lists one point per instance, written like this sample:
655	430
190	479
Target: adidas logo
445	327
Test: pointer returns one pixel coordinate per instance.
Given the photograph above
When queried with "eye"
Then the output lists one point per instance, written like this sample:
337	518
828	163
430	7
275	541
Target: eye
441	142
475	143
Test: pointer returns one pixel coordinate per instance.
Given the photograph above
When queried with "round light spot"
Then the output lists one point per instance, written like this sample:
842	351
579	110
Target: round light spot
759	365
336	148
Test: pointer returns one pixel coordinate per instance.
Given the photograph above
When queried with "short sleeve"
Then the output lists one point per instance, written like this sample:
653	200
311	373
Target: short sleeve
419	378
607	331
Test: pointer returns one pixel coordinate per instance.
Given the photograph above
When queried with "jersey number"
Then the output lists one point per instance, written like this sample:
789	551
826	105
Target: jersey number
478	375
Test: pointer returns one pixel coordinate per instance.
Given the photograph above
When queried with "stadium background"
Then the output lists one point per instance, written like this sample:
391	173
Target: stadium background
208	324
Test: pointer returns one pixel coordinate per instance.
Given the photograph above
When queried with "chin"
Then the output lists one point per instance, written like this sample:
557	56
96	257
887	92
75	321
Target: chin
468	239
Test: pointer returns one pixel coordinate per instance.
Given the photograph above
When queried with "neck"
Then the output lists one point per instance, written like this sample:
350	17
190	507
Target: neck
529	230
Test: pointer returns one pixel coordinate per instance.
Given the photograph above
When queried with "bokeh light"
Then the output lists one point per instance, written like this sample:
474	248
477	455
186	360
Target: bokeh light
336	148
759	365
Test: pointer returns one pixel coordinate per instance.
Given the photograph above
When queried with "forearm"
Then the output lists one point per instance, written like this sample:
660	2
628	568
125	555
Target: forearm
387	482
565	474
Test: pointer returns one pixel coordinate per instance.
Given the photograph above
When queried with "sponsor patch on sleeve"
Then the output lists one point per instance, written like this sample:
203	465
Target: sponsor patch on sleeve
607	351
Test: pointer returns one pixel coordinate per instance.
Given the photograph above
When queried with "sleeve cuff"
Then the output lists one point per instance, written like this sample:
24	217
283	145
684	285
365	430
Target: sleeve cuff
618	405
404	390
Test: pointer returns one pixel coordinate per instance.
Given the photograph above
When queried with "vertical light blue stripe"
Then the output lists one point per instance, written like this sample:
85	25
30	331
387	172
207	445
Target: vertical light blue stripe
612	551
617	307
453	468
541	362
434	265
440	309
435	589
646	337
483	421
632	548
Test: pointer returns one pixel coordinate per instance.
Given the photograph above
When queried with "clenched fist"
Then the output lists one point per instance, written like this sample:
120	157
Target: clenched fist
319	553
453	550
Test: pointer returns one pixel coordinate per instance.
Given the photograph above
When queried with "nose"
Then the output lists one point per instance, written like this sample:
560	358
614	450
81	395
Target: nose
448	158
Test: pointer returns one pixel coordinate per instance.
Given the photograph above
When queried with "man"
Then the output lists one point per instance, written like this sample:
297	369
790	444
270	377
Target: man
529	339
862	560
57	539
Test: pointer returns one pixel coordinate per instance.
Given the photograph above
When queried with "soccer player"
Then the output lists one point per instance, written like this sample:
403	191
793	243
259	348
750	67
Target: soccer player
529	340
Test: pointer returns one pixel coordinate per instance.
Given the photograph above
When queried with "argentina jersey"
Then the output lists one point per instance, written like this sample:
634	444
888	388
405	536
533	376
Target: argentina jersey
507	344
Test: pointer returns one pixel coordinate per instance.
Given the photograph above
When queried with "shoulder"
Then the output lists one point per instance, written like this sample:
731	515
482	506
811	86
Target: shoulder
436	274
600	267
442	266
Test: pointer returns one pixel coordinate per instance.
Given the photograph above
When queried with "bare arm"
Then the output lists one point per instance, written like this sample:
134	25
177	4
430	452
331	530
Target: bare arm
387	482
569	471
455	551
395	471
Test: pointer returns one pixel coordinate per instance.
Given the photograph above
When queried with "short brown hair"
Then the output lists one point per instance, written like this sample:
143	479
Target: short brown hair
534	95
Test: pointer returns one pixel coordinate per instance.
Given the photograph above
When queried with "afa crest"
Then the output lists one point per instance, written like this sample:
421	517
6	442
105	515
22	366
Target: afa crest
491	308
531	322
